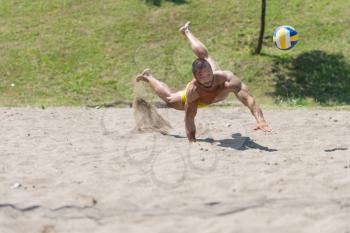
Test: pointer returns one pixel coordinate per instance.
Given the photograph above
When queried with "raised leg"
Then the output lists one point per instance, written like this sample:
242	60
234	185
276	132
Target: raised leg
173	100
197	46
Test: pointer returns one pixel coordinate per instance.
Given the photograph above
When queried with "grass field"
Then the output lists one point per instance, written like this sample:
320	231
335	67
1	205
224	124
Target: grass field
79	52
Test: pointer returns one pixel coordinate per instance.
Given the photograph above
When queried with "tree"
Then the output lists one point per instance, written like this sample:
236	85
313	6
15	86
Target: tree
262	27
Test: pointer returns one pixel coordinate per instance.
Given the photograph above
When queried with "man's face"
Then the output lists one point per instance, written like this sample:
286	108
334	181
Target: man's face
205	77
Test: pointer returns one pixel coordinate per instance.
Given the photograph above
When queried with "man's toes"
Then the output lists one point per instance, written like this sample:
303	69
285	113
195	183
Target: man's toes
146	72
185	27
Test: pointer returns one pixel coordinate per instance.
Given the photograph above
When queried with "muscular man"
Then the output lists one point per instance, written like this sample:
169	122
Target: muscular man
209	85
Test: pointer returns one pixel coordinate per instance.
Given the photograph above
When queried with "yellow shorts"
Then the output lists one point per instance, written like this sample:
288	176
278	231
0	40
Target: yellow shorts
184	97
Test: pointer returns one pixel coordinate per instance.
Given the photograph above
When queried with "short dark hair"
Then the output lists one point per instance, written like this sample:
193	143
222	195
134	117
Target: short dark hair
199	64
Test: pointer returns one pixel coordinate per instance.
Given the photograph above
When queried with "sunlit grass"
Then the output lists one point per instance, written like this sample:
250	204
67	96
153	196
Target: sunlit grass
74	52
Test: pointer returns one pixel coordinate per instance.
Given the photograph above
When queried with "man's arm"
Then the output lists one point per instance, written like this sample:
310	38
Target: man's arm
190	112
242	93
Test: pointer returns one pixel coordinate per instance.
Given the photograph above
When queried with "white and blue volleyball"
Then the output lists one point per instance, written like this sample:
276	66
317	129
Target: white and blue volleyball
285	37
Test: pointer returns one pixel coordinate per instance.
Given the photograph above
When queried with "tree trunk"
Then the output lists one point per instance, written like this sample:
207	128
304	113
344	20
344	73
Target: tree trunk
262	27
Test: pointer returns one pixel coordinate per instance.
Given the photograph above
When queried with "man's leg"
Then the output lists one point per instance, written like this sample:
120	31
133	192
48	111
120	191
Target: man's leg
173	100
198	47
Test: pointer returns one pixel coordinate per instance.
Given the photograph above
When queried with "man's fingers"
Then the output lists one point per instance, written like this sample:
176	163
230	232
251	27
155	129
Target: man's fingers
264	129
267	129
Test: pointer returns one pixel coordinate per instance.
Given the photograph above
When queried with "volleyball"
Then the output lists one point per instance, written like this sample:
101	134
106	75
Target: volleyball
285	37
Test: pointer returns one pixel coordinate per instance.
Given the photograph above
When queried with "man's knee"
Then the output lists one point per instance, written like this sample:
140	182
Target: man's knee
201	52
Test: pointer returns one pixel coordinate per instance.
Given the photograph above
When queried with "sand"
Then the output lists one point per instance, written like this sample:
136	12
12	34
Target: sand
147	118
84	170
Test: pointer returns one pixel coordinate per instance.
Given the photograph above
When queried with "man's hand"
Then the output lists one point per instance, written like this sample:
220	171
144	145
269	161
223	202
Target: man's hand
191	137
262	125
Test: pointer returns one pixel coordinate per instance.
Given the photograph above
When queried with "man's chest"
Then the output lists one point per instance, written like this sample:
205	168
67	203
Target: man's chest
214	95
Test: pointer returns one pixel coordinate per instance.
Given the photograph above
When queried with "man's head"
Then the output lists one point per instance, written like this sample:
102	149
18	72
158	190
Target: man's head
202	72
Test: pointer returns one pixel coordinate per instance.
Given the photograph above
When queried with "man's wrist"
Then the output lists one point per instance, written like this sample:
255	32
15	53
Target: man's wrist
192	139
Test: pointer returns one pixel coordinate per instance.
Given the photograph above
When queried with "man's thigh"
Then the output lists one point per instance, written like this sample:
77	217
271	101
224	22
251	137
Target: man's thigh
176	101
213	64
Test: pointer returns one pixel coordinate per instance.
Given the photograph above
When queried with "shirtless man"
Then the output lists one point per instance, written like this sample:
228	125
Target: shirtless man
209	85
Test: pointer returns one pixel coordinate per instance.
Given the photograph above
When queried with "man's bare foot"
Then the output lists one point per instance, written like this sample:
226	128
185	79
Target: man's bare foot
143	76
185	27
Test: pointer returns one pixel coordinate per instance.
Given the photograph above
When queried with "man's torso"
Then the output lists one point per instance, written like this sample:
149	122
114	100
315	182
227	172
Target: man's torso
214	94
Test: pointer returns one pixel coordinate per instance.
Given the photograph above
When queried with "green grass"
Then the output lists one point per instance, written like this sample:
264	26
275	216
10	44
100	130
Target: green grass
79	52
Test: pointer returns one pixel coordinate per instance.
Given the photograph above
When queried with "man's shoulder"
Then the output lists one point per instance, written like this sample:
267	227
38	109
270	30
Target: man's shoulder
191	91
221	76
230	80
191	86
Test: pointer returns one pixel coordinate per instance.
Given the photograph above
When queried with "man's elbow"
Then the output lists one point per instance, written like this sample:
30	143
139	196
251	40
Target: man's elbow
201	53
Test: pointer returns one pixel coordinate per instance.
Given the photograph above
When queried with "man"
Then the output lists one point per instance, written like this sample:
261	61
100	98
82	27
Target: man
209	85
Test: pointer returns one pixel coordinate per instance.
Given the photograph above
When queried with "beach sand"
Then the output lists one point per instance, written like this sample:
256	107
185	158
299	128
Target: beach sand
84	170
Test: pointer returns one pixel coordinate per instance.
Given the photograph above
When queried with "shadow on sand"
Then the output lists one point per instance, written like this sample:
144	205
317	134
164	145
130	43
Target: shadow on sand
237	142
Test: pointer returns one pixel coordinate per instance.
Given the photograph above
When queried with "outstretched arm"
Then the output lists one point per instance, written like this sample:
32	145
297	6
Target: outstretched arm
242	93
249	101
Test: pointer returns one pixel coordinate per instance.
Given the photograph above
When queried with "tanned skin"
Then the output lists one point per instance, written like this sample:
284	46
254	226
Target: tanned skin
209	85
